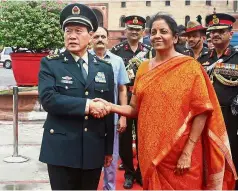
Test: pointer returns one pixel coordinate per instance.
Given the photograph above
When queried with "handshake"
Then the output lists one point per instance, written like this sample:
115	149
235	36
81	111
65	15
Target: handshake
99	108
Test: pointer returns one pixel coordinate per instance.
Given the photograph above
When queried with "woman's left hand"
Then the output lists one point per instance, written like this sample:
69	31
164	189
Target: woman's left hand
184	163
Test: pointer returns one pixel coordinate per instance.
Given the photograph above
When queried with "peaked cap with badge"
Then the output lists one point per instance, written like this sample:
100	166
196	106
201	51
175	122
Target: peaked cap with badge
78	14
194	26
219	21
135	21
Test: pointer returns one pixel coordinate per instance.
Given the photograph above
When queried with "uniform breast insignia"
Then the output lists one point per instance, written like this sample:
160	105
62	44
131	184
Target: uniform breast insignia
67	80
229	70
100	77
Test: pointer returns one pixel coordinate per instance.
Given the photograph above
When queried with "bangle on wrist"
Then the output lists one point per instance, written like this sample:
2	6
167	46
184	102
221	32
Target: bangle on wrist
191	140
185	153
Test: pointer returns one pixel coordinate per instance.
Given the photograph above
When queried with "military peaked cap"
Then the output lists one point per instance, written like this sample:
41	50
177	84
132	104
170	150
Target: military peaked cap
135	21
219	21
78	14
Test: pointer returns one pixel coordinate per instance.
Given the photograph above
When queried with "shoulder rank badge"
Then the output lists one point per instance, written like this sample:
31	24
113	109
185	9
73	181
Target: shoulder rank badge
52	56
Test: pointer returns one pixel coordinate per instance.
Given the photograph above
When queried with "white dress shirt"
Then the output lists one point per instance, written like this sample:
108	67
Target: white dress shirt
85	59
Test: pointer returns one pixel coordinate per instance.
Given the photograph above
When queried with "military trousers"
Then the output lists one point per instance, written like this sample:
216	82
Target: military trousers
67	178
126	152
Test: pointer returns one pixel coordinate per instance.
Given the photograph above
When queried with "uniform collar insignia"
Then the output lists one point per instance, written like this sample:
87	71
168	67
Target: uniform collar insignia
140	46
212	52
94	60
65	59
227	52
126	47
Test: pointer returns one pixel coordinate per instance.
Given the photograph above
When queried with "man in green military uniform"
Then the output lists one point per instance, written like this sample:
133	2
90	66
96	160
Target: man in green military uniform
76	145
133	52
222	66
195	34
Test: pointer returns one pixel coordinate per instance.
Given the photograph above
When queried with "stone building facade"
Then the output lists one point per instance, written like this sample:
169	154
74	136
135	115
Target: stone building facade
110	13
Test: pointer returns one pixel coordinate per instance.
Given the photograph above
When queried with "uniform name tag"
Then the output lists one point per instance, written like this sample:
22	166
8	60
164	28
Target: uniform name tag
100	77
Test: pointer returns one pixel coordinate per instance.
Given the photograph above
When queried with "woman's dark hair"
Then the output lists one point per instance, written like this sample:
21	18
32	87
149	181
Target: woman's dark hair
169	20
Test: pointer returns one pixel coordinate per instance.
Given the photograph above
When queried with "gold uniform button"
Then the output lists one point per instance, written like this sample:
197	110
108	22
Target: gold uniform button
86	93
86	117
52	131
85	129
66	87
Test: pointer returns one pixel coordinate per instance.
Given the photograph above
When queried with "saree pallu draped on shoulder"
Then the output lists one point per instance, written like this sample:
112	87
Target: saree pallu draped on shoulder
168	98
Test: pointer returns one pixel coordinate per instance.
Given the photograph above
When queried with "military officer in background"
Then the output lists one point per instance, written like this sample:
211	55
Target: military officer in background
133	52
222	66
209	41
182	46
76	145
196	35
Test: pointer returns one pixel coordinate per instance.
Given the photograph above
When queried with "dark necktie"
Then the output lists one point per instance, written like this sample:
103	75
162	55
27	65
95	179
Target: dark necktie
84	73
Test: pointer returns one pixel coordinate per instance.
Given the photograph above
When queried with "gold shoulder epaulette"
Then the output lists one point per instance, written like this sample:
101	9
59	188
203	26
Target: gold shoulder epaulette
53	56
118	46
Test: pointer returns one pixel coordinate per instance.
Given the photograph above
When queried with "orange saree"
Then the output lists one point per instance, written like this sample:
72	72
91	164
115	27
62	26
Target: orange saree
168	98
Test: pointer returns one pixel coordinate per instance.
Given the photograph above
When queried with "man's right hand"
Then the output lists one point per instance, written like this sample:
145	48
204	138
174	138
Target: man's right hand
98	109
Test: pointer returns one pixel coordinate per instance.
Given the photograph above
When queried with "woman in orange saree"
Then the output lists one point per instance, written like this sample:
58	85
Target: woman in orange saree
182	138
169	97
